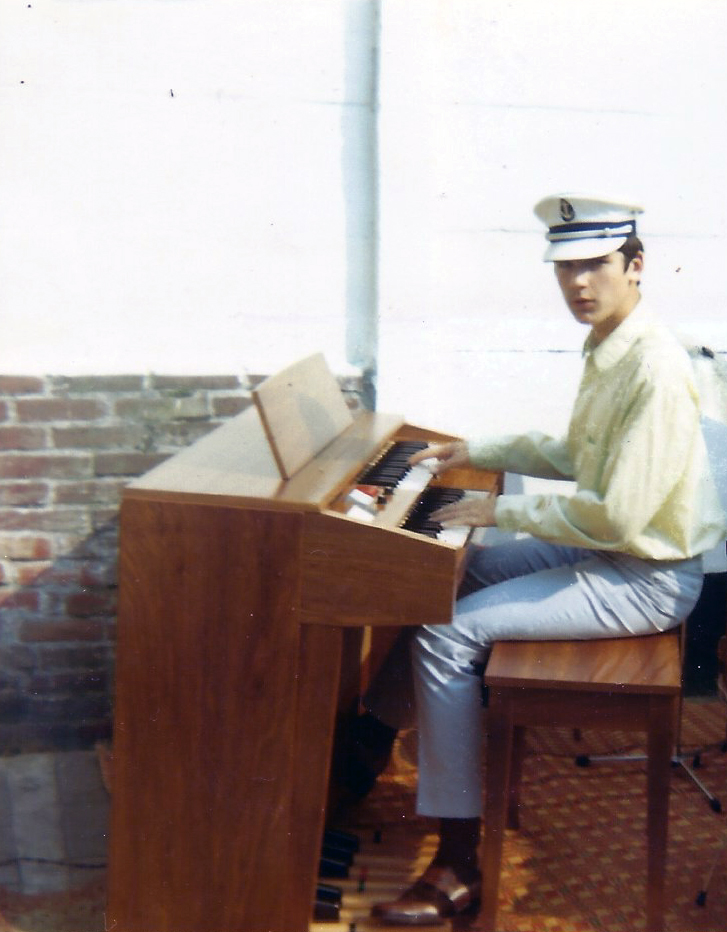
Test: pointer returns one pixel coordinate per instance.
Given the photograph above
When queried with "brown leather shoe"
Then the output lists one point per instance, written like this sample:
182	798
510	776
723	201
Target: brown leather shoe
437	895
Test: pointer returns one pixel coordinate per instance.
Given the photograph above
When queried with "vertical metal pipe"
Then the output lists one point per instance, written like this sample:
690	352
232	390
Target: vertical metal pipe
360	168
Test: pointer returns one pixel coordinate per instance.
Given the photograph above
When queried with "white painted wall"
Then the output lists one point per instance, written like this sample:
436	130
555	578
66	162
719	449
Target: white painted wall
188	186
177	180
485	108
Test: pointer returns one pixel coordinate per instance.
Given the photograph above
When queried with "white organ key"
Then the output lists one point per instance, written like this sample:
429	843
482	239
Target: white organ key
416	479
454	535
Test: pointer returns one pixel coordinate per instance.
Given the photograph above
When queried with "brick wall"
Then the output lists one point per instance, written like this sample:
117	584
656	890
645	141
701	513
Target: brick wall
68	445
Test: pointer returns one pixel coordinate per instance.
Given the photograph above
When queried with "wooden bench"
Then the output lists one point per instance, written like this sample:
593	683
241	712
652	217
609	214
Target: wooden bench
630	684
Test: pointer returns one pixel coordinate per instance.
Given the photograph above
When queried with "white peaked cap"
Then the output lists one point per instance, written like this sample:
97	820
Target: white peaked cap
583	227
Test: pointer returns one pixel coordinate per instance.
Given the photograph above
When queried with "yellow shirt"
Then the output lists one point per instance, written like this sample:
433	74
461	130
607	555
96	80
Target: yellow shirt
634	448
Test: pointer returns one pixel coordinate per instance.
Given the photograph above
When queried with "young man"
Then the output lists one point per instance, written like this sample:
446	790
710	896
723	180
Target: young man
619	556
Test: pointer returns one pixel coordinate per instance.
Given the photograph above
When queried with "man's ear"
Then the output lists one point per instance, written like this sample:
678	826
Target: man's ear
636	267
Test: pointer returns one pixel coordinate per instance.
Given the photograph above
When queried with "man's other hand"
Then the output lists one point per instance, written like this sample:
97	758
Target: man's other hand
475	511
446	455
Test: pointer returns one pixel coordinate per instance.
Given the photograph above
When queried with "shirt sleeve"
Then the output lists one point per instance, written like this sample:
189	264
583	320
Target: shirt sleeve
531	454
645	463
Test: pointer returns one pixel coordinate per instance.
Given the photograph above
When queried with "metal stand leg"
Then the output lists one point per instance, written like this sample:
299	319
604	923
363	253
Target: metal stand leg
702	895
678	760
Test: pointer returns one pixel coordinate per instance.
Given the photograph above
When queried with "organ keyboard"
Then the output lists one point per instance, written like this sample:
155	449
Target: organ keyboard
243	595
390	491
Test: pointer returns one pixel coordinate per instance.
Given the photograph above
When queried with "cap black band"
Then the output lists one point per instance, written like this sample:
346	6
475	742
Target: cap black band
602	230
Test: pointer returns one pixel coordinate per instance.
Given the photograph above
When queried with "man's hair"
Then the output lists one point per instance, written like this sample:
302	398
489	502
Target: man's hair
630	249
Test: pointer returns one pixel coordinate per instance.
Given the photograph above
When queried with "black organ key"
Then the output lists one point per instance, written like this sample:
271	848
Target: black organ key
391	468
418	519
341	839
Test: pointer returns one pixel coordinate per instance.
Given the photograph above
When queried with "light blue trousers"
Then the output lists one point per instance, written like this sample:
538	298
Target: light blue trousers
523	590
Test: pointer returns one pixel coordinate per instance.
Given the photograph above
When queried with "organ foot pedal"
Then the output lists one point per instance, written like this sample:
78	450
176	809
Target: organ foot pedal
382	868
337	856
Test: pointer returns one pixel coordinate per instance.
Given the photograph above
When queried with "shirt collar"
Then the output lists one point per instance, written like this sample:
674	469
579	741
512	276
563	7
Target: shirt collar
611	350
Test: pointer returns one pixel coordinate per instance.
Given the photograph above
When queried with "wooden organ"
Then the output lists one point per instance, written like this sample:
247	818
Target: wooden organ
251	563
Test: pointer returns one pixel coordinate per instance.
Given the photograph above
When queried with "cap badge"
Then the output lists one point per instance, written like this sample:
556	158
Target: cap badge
566	210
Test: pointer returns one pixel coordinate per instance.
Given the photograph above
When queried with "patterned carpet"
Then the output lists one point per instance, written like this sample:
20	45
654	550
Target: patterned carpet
576	865
578	862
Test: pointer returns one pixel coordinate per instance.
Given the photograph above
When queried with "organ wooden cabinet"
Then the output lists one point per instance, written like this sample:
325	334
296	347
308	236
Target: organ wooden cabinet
248	572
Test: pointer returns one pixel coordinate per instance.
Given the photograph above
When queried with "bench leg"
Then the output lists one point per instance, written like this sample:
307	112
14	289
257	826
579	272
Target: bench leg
516	772
499	757
660	746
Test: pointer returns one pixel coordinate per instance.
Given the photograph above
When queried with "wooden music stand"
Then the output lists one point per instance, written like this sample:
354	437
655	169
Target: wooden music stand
302	410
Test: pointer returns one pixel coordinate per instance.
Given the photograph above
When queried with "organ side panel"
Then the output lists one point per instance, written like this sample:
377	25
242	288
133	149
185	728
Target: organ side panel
319	672
205	718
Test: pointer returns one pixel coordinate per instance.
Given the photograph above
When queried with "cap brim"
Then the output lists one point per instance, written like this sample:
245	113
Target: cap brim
567	250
